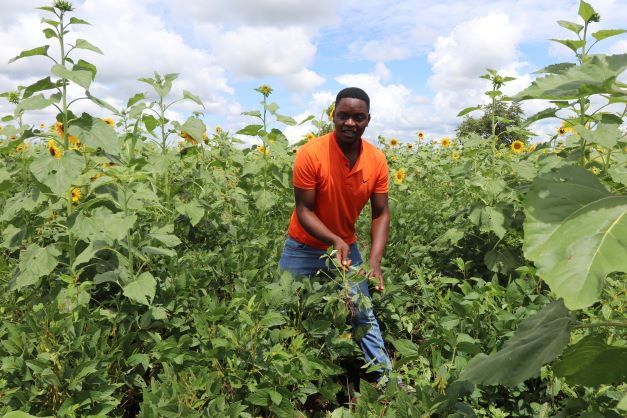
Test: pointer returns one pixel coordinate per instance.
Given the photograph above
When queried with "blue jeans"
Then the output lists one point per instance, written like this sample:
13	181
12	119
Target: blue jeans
301	259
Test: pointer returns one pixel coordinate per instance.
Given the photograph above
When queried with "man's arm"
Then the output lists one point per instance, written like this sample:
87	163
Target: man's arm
305	205
379	235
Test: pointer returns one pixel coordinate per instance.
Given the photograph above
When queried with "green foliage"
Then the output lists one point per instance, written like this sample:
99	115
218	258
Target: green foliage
506	116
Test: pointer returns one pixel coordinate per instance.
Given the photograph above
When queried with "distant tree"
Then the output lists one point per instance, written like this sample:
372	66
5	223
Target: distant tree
506	116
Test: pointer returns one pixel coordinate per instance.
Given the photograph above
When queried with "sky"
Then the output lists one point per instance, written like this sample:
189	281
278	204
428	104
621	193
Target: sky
418	60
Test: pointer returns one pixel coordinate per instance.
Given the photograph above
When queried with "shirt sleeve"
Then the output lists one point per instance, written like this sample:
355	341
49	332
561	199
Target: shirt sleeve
305	170
381	185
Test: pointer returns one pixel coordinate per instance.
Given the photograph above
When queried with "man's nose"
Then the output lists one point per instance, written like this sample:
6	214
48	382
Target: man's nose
350	122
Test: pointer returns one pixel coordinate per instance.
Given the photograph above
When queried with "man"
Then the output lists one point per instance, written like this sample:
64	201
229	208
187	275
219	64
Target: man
334	177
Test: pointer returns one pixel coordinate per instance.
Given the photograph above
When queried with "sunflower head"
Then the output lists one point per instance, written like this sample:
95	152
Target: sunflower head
445	142
53	149
109	121
410	146
218	130
58	128
420	135
517	146
310	136
188	138
265	90
595	171
455	155
263	150
42	125
76	194
19	148
399	175
393	142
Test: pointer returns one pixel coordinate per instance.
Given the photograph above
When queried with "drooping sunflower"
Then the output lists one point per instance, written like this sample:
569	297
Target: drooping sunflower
455	155
109	121
393	142
310	136
445	142
517	146
53	149
399	175
421	135
188	138
76	194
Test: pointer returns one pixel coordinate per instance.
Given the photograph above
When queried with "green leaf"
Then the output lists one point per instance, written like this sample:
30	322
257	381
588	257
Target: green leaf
83	44
591	362
265	199
285	119
271	107
50	33
102	225
150	122
165	236
81	77
148	250
193	210
142	290
89	252
272	319
20	414
606	33
37	102
585	11
538	340
406	348
40	50
619	172
104	104
259	397
83	65
489	218
571	26
606	135
622	405
41	85
251	130
58	173
595	76
468	110
77	21
136	98
195	127
254	113
575	233
556	68
95	133
35	262
573	45
543	114
192	97
275	397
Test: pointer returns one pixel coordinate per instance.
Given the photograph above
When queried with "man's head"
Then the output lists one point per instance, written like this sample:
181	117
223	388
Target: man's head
351	115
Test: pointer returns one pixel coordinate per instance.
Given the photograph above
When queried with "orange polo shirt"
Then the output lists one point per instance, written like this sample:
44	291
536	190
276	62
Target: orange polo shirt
341	193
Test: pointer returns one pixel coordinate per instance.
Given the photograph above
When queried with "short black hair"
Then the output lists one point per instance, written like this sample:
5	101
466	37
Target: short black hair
354	93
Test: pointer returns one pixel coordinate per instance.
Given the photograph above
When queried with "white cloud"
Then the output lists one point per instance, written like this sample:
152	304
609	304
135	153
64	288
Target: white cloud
303	81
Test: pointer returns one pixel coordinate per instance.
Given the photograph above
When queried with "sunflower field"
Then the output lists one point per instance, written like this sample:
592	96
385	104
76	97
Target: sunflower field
139	254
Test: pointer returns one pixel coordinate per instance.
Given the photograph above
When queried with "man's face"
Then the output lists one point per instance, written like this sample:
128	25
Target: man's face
350	118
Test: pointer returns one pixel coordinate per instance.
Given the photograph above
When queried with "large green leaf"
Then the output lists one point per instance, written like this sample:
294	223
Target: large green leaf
40	50
40	85
37	102
83	44
193	210
81	77
95	133
35	262
20	414
606	135
102	225
141	290
538	340
195	127
575	233
591	362
58	173
593	77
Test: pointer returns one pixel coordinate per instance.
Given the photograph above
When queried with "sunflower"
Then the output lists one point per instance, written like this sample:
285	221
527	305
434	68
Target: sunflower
517	146
595	171
410	146
399	175
445	142
263	150
19	148
75	143
394	142
455	155
218	130
53	149
58	128
310	136
109	121
265	90
188	138
421	135
42	125
76	194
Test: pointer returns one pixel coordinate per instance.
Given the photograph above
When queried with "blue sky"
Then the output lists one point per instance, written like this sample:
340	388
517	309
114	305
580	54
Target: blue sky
419	60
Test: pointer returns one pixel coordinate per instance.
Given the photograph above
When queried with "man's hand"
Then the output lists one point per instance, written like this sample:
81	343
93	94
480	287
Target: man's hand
376	276
342	250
